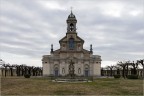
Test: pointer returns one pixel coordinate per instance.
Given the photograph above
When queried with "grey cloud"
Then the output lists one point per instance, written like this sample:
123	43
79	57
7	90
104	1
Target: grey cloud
33	28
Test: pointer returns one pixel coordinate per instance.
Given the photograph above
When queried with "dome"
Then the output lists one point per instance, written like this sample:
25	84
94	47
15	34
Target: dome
71	15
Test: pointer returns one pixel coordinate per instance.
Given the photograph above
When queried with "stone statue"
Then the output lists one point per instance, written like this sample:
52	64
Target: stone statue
71	69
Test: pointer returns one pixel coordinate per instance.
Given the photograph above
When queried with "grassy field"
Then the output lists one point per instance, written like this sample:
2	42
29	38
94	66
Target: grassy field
44	86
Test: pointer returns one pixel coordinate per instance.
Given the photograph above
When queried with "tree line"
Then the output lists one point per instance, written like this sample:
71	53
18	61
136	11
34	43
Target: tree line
125	66
21	70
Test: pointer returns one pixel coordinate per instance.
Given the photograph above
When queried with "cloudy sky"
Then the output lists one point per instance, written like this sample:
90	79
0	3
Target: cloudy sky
29	27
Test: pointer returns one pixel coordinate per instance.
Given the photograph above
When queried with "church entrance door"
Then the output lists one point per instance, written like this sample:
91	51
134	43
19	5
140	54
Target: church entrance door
56	72
86	72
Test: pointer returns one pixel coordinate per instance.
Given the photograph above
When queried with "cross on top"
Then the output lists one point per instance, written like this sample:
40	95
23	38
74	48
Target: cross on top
71	9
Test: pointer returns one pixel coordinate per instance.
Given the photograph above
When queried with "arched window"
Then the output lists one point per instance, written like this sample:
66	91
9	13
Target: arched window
79	71
71	27
63	70
71	43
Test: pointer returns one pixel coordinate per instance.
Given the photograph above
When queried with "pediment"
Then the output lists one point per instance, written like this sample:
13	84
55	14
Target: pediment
76	39
63	39
79	39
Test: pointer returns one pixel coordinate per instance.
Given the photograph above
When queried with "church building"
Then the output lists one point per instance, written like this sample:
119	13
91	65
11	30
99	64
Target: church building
71	50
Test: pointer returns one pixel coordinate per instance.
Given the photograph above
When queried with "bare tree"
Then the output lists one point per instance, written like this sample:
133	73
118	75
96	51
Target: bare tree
111	70
142	63
123	66
11	69
127	68
117	69
134	69
6	68
18	70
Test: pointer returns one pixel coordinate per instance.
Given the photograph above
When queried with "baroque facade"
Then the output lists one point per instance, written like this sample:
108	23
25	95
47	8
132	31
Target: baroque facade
71	50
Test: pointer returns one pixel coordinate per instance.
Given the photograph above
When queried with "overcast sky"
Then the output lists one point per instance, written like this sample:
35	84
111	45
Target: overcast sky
115	28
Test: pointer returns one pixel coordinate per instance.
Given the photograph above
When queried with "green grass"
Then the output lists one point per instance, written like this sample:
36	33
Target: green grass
44	86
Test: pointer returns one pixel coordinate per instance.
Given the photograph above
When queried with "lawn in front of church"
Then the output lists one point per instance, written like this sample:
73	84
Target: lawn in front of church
44	86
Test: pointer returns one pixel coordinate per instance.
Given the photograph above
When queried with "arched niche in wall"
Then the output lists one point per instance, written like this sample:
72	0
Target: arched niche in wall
63	71
79	70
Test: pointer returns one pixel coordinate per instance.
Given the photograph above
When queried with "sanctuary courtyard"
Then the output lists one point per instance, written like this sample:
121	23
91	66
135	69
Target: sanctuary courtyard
71	58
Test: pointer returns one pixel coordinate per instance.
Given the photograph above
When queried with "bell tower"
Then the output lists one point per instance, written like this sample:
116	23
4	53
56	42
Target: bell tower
71	23
71	42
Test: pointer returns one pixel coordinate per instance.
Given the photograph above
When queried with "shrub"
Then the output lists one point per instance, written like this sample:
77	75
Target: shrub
116	76
132	76
27	75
